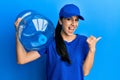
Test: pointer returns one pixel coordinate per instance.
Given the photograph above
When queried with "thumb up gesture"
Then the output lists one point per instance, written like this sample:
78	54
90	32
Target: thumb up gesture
92	40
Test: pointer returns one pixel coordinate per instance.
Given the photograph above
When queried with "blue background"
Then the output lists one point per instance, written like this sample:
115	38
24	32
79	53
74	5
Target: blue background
102	18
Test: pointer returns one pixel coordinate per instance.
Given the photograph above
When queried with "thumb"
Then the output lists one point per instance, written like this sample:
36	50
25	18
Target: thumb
99	38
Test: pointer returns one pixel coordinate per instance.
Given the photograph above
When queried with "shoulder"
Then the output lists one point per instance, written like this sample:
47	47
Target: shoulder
82	37
47	46
50	42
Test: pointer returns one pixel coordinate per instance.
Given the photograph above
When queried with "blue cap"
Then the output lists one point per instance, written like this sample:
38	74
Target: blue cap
70	10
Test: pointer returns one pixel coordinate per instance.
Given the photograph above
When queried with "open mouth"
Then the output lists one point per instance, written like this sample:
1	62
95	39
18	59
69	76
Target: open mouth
71	29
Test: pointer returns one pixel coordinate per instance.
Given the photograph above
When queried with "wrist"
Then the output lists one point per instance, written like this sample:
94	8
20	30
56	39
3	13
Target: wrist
92	50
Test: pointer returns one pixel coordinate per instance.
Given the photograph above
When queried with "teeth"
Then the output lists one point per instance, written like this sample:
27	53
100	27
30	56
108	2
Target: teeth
71	28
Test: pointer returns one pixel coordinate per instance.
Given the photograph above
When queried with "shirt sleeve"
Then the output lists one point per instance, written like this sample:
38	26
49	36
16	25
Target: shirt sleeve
43	50
85	48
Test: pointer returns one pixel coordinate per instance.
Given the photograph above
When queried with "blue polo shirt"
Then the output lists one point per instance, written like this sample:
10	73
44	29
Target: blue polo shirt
60	70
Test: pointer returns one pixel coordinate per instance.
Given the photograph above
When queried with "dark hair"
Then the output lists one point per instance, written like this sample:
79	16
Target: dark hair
60	45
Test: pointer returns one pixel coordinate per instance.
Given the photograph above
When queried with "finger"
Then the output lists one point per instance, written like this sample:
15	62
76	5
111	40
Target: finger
99	38
19	19
17	22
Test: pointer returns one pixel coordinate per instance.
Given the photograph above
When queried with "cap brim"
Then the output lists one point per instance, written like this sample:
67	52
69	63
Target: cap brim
80	17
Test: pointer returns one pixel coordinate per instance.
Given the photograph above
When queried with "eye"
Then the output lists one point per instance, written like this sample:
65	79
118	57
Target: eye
68	19
77	19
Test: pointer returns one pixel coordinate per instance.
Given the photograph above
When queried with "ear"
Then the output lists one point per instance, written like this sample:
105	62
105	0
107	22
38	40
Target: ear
60	22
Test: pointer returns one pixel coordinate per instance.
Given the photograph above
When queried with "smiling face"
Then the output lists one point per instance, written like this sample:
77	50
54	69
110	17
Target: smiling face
69	25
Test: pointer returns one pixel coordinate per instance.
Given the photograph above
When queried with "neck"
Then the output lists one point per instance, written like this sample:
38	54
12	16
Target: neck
68	38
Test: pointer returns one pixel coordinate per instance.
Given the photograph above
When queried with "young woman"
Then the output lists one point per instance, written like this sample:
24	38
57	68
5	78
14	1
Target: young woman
69	56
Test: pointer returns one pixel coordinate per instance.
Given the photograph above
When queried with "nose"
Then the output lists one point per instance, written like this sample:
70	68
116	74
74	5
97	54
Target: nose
73	23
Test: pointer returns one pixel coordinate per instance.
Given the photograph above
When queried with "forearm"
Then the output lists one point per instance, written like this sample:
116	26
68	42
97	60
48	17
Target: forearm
22	56
88	63
21	53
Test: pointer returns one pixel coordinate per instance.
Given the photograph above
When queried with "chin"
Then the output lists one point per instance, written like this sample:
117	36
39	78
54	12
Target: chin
70	34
